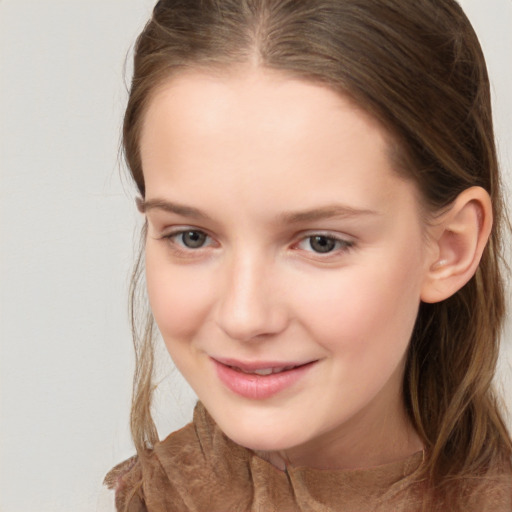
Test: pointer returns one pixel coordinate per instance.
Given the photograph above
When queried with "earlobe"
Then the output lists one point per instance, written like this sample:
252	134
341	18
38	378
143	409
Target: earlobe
460	238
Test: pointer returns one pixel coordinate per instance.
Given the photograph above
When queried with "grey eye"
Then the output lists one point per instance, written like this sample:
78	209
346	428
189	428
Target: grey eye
322	244
193	239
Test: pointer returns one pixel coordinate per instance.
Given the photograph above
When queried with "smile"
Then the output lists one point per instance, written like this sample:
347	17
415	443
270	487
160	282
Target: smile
259	381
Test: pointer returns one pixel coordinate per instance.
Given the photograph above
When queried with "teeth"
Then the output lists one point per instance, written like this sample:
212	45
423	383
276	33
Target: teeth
264	371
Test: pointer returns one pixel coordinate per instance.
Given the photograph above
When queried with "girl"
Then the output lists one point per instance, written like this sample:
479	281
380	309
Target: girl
322	258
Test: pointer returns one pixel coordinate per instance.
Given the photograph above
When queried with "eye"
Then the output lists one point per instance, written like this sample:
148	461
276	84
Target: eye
324	244
189	238
192	239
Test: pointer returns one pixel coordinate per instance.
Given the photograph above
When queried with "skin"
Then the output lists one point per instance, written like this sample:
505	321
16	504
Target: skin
251	150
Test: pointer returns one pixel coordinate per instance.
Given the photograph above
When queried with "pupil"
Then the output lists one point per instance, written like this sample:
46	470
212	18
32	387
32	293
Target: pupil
322	243
193	239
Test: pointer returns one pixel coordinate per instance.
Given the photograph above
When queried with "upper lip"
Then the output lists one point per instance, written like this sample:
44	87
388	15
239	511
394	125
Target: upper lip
251	366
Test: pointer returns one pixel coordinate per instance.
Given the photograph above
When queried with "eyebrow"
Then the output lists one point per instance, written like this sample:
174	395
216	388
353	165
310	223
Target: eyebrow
325	212
168	206
292	217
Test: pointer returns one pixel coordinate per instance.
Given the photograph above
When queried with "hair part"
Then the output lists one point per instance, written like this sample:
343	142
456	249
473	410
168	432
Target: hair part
416	67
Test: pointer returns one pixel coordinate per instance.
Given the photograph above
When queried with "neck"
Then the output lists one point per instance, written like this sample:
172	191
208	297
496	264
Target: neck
378	435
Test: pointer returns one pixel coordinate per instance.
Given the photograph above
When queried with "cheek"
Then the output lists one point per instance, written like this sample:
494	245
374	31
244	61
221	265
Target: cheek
179	296
362	310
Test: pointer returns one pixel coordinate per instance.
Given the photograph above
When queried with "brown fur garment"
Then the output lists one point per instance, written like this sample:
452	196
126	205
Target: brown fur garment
198	469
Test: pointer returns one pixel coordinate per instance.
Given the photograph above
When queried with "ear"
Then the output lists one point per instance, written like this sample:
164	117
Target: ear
459	237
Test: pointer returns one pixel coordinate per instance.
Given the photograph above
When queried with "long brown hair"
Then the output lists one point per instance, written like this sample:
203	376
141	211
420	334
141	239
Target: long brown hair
418	68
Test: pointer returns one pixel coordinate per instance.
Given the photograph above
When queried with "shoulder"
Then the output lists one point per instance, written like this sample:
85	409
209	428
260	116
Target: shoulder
125	480
496	489
161	478
194	468
490	491
140	482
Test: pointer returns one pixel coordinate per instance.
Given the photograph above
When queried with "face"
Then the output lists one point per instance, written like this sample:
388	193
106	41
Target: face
284	259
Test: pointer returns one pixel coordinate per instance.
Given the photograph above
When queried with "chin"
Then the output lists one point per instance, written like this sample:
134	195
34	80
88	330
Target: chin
260	441
262	437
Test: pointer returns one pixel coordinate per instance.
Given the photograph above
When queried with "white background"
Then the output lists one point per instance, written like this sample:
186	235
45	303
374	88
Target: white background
67	224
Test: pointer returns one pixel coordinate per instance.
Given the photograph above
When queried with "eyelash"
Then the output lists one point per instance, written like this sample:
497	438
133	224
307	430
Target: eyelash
340	244
179	248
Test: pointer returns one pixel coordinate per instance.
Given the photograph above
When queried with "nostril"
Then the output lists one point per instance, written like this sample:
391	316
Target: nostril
252	324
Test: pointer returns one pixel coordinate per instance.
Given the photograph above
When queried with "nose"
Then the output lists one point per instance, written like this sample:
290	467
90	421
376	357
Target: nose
251	305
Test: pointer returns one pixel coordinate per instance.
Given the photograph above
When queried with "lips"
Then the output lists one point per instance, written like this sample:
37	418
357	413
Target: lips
261	380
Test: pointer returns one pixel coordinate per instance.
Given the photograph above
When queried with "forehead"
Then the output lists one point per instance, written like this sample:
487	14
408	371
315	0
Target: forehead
258	94
263	132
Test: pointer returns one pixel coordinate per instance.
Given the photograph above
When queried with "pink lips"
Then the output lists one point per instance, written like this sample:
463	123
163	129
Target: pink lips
258	387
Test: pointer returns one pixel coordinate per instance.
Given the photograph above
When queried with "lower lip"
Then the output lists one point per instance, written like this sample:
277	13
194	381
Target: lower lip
259	387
